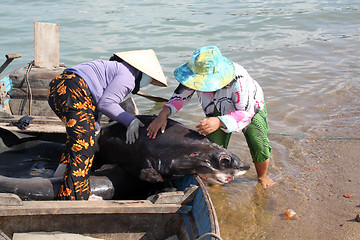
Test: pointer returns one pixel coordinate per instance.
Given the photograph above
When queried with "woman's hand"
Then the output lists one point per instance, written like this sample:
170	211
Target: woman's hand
159	123
209	125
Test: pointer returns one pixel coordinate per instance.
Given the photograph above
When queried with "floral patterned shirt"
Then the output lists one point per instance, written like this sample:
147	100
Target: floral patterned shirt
237	102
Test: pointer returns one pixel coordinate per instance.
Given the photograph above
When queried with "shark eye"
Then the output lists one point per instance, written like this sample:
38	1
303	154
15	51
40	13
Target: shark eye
225	161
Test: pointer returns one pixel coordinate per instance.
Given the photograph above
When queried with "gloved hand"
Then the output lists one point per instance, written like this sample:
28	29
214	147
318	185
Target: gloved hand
132	132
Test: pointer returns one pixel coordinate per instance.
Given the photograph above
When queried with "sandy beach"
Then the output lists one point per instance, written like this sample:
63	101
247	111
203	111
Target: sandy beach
328	199
323	191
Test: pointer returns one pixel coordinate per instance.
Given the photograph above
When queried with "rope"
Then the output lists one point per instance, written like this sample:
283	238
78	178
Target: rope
28	88
327	138
29	92
209	234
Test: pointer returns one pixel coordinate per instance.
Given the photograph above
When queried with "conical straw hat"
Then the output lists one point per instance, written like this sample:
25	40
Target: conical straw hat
147	62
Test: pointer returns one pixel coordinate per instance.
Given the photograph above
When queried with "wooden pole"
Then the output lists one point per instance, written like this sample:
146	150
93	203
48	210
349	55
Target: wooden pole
46	45
9	58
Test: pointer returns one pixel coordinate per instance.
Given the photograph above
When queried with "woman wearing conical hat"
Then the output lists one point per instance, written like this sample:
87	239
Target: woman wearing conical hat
82	93
231	100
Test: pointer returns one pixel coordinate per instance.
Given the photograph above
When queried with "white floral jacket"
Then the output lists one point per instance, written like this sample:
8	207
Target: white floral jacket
237	102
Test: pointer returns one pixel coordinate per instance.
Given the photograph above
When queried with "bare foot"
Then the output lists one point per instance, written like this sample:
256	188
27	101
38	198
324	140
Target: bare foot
266	182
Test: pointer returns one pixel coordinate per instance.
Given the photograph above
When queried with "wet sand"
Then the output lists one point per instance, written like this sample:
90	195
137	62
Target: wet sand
326	199
323	189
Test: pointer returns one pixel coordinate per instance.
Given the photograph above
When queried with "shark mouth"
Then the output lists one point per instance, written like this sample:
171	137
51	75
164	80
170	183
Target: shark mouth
221	179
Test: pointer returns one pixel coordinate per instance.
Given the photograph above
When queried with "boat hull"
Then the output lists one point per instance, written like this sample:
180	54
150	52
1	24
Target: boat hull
174	215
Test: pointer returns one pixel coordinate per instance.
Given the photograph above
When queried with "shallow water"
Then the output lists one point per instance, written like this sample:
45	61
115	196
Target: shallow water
305	55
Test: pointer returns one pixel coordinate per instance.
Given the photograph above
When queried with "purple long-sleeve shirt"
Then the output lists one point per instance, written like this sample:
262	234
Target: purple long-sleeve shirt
109	82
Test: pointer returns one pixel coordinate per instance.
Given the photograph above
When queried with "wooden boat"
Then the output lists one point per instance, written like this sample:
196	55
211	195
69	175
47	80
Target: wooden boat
187	213
170	215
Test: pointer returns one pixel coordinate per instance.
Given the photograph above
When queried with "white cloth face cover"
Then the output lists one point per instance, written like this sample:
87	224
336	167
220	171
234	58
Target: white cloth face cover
145	80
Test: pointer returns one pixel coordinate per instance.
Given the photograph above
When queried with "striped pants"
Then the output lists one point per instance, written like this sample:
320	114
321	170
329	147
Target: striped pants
71	100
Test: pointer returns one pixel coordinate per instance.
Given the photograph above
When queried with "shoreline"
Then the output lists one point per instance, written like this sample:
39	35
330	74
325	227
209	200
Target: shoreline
328	200
322	186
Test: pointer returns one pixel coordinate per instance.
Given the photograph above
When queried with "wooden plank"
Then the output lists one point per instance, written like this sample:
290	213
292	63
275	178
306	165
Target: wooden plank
30	208
103	226
9	199
36	119
38	77
48	124
51	236
36	128
46	45
40	124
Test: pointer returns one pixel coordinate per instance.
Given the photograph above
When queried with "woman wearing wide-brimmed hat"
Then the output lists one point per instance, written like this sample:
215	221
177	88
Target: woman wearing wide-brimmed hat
231	100
82	93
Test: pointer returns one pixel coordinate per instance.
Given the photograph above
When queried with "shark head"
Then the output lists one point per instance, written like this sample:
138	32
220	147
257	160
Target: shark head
215	164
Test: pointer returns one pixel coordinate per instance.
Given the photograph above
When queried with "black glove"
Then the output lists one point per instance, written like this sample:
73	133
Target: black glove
22	123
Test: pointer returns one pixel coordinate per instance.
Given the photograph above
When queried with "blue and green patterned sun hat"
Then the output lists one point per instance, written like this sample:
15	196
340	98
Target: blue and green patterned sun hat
207	70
